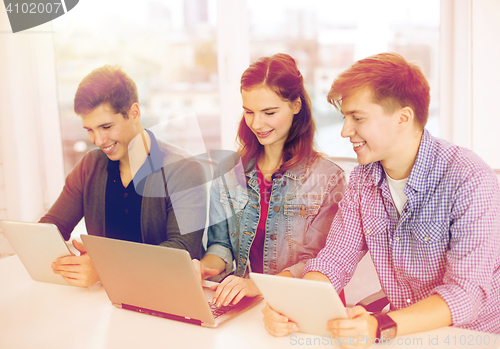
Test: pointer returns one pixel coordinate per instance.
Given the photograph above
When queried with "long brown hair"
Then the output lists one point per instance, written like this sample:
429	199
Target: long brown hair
281	75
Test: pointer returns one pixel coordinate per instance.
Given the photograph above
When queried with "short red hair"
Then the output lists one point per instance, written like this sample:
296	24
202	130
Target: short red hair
394	83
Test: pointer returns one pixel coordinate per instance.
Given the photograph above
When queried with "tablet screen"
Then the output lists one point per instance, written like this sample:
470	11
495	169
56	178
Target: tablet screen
308	303
37	246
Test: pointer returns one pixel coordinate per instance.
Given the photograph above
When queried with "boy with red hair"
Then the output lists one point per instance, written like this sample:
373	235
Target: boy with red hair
426	210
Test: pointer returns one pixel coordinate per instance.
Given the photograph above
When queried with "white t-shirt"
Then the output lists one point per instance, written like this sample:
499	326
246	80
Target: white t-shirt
397	189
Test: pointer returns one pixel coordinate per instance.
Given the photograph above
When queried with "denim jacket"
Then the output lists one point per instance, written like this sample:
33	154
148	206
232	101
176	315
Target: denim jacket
302	205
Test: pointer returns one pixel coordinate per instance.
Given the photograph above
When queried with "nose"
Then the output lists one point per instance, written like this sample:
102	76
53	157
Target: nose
257	122
100	138
347	129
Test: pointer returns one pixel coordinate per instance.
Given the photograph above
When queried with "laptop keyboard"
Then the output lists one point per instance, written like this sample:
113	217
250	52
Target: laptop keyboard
218	311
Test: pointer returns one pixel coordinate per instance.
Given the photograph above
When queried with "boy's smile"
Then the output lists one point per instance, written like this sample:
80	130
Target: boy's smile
110	131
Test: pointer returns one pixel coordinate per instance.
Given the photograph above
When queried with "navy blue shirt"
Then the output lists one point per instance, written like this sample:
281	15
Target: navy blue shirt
123	205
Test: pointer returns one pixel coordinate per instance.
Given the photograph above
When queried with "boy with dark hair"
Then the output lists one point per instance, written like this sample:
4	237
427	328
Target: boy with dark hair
426	210
134	188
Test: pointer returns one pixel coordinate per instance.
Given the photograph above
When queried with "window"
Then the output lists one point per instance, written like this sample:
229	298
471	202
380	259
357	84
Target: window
326	37
167	47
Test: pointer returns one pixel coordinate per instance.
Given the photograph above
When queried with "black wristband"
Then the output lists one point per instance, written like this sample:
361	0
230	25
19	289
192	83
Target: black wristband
386	327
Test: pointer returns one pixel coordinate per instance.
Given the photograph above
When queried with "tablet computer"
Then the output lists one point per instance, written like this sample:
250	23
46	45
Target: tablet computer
308	303
37	246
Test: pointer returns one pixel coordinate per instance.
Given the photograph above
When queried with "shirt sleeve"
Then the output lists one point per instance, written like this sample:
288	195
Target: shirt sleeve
345	244
316	233
186	207
67	211
473	248
218	243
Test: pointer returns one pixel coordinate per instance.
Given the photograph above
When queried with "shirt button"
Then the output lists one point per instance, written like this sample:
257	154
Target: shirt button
397	238
272	237
426	239
368	231
408	301
276	208
125	195
272	265
398	272
283	183
126	210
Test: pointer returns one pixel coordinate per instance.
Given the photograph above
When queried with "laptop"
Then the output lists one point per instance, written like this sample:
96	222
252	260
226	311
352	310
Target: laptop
308	303
157	280
37	245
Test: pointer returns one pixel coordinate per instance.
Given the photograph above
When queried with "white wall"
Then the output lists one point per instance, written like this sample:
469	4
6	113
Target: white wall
31	166
30	137
485	126
455	92
233	57
470	76
3	194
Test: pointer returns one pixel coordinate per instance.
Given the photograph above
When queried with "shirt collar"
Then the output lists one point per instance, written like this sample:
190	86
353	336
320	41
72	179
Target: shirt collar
377	173
153	162
113	166
420	170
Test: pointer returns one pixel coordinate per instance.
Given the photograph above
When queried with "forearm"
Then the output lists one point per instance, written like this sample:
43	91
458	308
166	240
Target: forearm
428	314
286	273
67	211
316	275
212	261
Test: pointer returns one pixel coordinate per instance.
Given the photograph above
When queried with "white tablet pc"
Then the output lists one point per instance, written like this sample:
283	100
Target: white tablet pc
308	303
37	246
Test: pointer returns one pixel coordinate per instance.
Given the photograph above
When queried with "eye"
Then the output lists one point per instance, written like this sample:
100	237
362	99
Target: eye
270	113
248	112
106	127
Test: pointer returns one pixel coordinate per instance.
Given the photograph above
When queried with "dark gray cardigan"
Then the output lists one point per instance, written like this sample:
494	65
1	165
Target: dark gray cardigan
84	195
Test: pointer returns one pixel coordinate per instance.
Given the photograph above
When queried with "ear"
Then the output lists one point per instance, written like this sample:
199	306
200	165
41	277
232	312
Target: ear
296	106
406	116
135	113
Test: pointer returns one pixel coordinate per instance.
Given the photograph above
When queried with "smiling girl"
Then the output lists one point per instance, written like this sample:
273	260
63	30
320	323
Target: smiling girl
271	207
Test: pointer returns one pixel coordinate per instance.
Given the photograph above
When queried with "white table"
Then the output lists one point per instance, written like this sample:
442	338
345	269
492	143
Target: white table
39	315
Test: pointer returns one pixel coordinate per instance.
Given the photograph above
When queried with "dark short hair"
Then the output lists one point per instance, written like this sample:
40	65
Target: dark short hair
393	81
106	85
